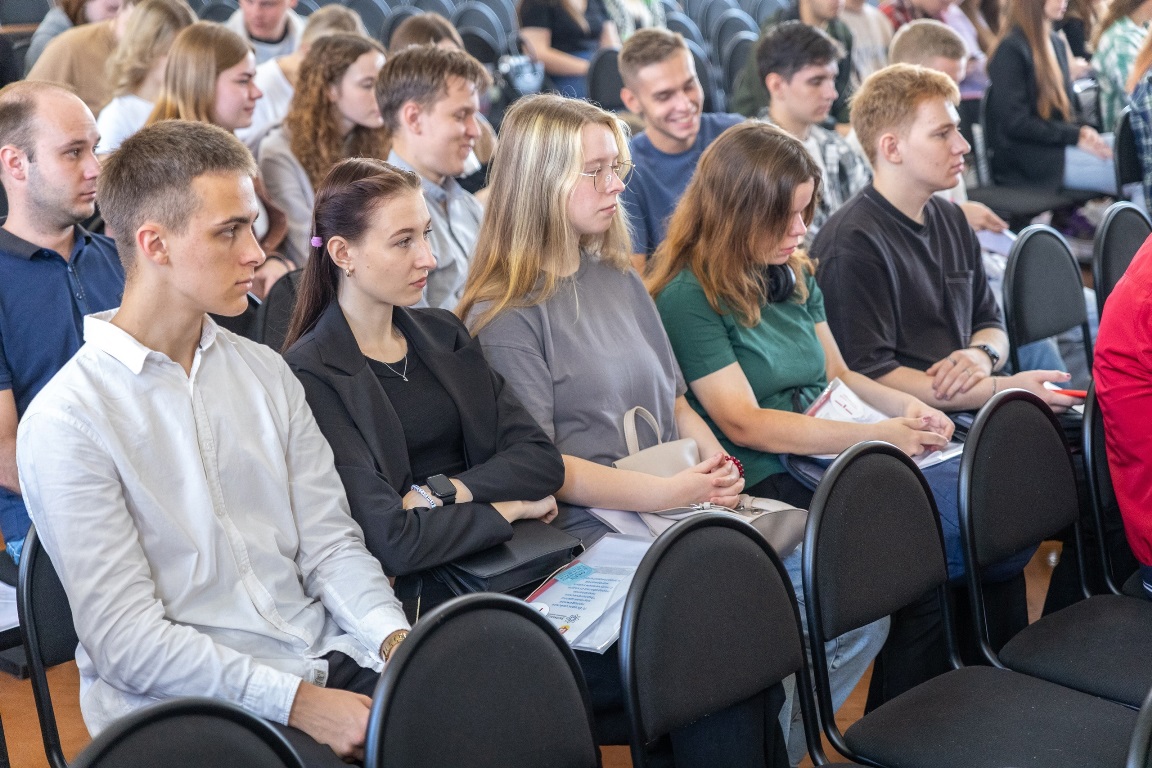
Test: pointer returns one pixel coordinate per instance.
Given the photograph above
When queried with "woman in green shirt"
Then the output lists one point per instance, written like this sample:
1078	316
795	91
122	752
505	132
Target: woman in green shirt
746	318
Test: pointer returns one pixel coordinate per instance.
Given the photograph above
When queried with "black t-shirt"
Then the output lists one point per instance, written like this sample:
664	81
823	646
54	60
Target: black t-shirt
567	35
897	292
429	416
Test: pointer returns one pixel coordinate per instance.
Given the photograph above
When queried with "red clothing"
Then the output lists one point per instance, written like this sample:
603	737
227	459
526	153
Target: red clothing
900	12
1123	374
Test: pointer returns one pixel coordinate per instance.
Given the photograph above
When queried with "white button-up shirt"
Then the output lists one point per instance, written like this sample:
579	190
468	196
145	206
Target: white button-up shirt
198	526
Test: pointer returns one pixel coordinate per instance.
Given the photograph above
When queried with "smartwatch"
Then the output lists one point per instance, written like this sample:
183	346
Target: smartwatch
993	355
442	488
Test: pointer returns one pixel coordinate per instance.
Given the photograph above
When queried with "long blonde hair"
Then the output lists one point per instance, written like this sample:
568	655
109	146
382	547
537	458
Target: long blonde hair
198	56
526	236
738	204
1051	97
151	29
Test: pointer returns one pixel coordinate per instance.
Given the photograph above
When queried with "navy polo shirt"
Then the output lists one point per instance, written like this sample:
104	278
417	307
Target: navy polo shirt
43	300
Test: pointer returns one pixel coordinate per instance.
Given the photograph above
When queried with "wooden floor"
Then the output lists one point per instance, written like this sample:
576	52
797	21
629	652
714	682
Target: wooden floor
26	749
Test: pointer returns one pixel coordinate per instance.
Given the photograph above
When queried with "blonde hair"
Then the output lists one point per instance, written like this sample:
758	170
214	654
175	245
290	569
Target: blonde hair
888	100
198	56
1028	16
151	29
918	41
312	125
753	168
526	236
330	20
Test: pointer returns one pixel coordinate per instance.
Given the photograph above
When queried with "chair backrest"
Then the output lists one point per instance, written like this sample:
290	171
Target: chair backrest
726	27
374	14
218	10
505	10
244	324
275	314
189	733
710	621
1140	749
398	16
23	12
480	46
678	22
477	15
1017	481
306	7
1105	509
710	16
443	7
713	96
695	9
48	632
604	81
982	143
1125	152
763	10
1122	231
483	680
1043	291
735	56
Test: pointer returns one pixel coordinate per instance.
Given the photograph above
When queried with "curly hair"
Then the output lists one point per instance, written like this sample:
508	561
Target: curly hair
312	125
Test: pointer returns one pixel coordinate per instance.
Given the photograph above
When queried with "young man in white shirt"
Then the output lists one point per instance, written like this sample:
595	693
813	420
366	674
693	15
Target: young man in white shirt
177	478
429	98
272	26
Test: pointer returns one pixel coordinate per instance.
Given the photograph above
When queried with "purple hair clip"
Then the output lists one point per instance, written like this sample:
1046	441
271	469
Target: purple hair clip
317	242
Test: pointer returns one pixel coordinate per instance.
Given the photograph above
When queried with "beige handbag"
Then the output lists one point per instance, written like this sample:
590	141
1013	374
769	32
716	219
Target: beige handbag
662	459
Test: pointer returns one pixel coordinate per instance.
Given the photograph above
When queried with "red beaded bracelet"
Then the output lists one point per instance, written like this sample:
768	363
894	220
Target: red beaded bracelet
736	461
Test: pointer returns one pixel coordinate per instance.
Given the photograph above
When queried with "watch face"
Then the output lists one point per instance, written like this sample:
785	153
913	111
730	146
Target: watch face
441	486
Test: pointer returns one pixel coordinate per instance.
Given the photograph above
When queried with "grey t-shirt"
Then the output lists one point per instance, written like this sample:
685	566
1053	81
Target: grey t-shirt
582	358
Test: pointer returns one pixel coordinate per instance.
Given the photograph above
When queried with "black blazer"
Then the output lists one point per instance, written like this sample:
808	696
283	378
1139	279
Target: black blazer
509	457
1027	149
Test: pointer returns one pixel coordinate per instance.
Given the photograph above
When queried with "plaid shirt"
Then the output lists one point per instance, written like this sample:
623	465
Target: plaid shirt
1113	61
1142	129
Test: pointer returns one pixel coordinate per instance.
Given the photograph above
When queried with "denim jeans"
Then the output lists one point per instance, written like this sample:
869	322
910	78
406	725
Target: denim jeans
1083	170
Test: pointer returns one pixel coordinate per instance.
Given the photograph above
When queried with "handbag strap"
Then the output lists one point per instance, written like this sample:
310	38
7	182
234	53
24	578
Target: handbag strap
630	438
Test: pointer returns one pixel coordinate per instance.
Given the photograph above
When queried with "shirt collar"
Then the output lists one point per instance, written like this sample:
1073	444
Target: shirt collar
20	247
121	345
439	193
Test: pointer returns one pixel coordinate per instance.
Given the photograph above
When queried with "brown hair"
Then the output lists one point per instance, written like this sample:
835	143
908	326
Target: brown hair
329	20
198	56
526	233
18	105
149	178
1117	9
312	126
151	29
423	29
1028	17
421	74
888	99
74	10
345	200
918	41
647	47
754	168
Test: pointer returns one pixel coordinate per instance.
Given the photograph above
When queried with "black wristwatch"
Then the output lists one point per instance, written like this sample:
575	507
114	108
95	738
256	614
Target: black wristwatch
443	489
993	355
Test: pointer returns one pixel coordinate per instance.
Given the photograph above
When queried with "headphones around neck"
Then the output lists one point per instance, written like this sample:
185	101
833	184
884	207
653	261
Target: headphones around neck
781	282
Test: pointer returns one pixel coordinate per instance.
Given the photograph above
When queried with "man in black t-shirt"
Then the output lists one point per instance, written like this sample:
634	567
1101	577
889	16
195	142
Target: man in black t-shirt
905	291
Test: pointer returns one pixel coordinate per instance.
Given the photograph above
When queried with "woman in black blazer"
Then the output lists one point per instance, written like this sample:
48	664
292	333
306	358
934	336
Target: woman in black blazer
404	396
1030	119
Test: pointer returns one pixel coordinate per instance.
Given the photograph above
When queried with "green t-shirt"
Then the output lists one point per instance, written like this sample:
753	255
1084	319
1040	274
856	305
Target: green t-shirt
780	356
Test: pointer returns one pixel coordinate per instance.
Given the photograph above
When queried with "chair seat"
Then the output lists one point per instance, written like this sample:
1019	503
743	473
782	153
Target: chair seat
1134	587
1011	201
982	717
1100	646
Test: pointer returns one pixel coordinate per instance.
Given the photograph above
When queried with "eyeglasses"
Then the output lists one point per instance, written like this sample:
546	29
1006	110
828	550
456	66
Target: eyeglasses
602	176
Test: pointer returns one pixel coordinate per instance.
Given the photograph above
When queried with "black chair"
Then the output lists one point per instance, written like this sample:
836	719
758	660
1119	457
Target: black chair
1018	488
710	15
726	28
443	7
23	11
710	621
189	733
48	632
735	56
1043	291
1016	203
275	313
505	10
873	545
480	46
306	7
694	9
763	10
1123	230
1120	568
1140	752
604	81
713	94
1125	153
374	14
483	680
477	15
399	15
218	10
245	323
678	22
